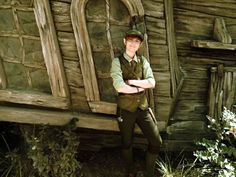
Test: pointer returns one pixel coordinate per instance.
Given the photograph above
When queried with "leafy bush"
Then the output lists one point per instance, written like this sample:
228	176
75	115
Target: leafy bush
53	151
48	151
13	161
218	156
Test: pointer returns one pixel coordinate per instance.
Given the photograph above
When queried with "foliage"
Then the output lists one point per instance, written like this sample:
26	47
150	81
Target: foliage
177	167
13	162
9	162
218	156
53	151
48	151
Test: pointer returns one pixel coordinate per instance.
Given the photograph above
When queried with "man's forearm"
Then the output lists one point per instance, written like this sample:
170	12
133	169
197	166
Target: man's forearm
141	83
130	89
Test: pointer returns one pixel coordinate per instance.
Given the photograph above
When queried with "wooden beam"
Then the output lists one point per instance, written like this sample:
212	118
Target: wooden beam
50	47
220	33
174	63
212	45
37	99
3	79
59	118
103	107
84	49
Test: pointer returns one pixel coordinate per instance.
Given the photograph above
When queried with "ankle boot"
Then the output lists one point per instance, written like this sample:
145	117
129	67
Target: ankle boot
150	164
128	158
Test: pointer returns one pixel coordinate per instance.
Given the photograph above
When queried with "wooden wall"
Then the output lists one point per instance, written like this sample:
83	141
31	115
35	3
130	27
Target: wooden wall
63	25
194	20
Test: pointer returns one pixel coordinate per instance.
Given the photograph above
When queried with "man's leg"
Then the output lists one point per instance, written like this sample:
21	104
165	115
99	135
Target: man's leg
151	132
126	126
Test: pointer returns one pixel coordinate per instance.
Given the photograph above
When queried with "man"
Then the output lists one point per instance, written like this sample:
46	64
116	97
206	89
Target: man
132	75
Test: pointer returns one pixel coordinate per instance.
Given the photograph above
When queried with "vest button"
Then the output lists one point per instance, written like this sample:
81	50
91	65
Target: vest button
138	100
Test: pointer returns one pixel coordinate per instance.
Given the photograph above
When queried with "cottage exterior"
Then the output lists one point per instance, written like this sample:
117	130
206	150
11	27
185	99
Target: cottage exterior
55	59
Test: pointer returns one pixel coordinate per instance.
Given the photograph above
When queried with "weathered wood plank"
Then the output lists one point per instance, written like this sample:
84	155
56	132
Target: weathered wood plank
157	37
214	7
90	121
186	127
162	108
213	45
190	110
204	61
49	42
222	90
103	107
159	63
36	99
3	79
162	84
220	32
84	50
154	9
154	24
176	75
155	49
61	14
73	74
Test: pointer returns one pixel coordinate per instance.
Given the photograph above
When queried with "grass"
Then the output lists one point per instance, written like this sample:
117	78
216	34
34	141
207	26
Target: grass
177	167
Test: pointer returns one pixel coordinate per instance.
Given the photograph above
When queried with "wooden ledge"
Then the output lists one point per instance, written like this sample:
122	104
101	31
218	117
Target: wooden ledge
212	45
59	118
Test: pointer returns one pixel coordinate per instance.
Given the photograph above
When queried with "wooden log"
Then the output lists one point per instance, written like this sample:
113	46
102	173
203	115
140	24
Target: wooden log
174	66
214	7
103	107
61	14
3	79
89	121
37	99
220	32
84	50
211	100
154	9
212	45
73	74
48	37
186	126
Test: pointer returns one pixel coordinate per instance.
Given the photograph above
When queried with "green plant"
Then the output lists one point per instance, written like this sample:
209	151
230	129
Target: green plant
177	167
53	151
218	156
10	162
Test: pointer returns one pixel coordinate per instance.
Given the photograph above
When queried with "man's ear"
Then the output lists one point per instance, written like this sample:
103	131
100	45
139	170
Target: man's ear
124	41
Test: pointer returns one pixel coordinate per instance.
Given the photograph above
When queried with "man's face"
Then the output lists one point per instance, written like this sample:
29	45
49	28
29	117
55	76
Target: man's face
132	43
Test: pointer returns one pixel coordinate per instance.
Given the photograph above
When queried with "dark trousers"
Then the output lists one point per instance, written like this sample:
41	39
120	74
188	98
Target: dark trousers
150	131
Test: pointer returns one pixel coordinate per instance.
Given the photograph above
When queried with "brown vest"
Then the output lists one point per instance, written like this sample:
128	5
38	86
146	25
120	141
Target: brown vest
131	102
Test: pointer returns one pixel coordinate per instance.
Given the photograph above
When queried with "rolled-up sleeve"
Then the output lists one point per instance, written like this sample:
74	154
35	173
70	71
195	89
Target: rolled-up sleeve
147	72
116	74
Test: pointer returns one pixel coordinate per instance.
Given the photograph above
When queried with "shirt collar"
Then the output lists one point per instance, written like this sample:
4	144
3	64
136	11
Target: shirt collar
130	59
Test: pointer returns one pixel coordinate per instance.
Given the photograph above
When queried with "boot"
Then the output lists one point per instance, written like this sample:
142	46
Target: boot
150	164
129	162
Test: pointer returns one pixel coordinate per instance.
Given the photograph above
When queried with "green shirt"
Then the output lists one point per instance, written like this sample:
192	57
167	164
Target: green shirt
116	72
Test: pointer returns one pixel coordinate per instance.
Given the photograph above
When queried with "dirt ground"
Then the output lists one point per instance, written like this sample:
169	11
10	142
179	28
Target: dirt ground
109	163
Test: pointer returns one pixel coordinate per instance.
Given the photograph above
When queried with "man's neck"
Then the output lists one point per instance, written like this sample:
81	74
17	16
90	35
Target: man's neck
130	54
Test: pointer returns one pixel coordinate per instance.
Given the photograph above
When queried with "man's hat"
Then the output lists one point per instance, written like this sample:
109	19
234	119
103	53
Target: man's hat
134	33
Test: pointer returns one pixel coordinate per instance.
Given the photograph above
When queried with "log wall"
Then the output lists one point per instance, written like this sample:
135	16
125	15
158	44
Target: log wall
194	20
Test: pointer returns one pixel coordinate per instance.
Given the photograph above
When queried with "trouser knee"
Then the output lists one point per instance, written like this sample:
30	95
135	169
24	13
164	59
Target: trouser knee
153	149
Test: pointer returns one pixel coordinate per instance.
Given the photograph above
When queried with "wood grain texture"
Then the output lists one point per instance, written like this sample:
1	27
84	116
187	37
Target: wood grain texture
49	42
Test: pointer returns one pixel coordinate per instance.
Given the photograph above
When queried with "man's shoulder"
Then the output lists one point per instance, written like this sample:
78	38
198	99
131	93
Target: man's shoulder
142	58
